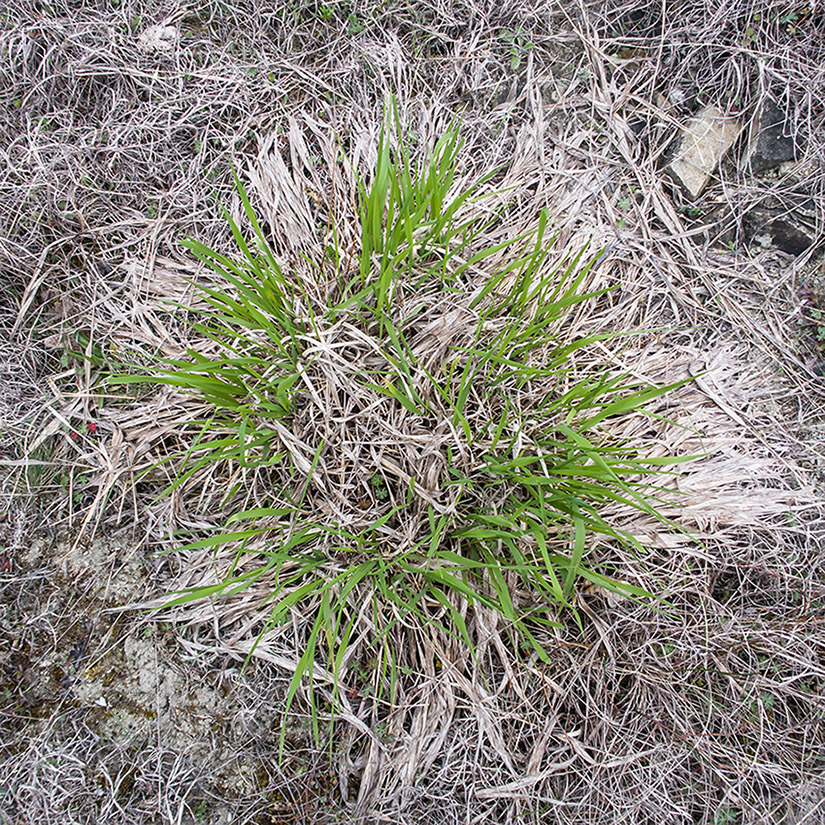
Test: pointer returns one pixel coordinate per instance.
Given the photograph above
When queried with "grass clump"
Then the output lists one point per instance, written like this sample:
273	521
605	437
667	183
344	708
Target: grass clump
397	426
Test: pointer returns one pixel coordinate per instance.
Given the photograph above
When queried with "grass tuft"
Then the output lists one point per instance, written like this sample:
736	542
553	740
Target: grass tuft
407	423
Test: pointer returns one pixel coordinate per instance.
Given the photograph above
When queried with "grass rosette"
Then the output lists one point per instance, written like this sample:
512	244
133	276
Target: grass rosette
405	419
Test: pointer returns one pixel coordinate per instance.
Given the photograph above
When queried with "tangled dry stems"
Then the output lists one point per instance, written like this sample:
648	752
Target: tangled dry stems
647	718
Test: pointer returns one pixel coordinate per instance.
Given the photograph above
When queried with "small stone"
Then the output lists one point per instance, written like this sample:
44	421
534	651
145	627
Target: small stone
158	38
791	168
768	229
788	223
704	142
772	141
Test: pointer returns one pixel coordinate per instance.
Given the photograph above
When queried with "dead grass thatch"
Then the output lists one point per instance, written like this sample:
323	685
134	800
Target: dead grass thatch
114	136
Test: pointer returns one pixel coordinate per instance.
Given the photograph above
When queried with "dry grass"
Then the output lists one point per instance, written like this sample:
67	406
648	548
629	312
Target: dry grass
110	156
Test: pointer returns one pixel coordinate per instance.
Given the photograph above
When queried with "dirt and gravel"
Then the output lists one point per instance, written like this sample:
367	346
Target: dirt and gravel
120	124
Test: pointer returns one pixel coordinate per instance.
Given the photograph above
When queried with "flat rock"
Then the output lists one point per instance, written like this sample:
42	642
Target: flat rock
778	230
788	224
702	145
772	139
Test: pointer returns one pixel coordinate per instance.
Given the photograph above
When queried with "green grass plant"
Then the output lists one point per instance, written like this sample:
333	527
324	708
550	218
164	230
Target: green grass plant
525	463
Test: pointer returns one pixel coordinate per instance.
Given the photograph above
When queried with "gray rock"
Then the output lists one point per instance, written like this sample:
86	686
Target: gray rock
772	140
702	145
788	225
